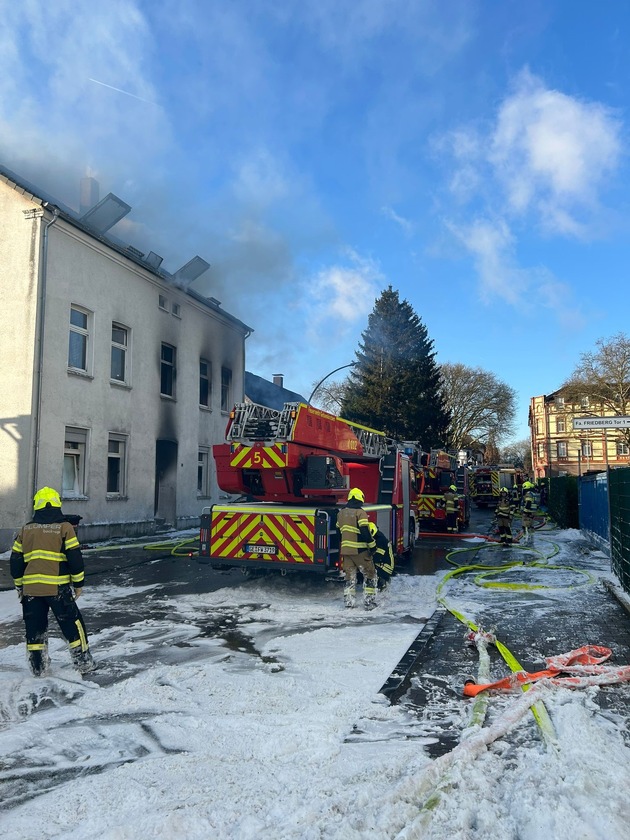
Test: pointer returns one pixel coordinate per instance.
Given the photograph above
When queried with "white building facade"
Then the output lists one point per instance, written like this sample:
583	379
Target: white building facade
114	382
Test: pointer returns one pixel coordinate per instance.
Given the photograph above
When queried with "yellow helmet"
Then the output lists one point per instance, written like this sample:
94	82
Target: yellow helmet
527	485
46	496
453	488
355	493
373	528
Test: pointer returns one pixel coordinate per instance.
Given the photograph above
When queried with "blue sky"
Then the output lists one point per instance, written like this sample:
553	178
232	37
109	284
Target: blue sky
474	155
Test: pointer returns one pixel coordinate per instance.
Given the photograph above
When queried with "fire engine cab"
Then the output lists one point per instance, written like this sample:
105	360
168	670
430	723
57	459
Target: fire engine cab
291	471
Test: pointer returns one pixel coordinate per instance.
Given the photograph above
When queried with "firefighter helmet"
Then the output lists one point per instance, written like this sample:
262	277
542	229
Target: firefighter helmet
527	485
355	493
503	490
46	496
373	528
453	488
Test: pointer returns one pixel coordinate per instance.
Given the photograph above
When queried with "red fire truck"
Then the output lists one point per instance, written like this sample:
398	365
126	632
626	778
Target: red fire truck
292	470
441	470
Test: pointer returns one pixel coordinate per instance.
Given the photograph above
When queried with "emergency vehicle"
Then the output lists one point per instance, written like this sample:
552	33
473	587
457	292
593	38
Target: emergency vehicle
486	483
440	470
293	469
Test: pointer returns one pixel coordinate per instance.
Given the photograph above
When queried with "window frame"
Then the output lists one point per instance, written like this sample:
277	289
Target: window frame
226	389
586	448
121	458
165	366
78	453
203	472
85	333
207	378
124	350
561	445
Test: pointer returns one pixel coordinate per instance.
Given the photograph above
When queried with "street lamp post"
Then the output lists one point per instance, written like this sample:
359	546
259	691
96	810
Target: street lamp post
321	381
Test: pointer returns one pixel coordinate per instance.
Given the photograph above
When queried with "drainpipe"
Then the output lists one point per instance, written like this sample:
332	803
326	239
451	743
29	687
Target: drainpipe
40	341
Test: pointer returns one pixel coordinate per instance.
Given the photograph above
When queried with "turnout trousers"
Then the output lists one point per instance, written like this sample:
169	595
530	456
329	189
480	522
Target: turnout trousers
352	564
35	613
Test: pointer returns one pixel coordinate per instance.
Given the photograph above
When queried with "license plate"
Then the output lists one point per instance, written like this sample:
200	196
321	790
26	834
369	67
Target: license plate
252	548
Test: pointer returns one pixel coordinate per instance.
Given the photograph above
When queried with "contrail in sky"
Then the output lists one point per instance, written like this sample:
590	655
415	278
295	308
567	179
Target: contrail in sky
126	92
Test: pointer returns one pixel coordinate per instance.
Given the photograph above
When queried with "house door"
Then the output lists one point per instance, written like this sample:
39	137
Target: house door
166	481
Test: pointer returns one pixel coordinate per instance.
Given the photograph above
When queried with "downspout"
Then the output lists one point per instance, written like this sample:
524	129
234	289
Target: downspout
40	341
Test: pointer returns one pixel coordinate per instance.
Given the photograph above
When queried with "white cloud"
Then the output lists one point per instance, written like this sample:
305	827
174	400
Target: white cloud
403	223
492	246
344	294
552	153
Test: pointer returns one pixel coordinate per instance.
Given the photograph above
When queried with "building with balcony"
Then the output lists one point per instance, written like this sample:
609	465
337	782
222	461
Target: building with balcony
116	379
560	449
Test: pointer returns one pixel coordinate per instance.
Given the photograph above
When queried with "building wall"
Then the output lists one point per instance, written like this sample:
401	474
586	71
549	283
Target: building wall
551	425
19	261
84	272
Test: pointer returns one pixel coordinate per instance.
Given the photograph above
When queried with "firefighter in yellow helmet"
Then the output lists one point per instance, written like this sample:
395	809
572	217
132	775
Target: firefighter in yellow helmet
383	557
47	570
451	504
355	545
504	512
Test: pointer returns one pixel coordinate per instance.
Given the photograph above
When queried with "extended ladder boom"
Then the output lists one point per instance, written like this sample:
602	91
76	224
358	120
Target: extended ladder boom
303	424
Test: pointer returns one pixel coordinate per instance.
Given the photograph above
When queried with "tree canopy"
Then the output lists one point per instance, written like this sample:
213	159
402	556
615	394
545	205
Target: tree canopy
603	377
395	385
482	408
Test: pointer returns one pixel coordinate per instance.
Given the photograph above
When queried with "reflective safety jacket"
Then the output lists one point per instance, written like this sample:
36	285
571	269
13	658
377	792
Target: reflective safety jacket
451	501
46	555
529	505
383	555
504	508
352	522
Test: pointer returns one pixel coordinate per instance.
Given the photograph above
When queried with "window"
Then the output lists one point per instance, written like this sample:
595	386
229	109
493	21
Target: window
116	452
167	371
561	425
205	382
587	449
622	448
584	402
562	449
559	402
541	450
202	472
74	454
175	309
79	339
538	425
226	389
163	302
120	339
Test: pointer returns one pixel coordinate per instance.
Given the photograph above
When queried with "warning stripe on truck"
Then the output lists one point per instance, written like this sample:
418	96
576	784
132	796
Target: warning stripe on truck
258	457
286	537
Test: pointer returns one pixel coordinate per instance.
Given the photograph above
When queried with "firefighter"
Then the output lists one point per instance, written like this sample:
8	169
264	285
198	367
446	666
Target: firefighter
528	512
356	545
383	557
516	496
451	503
48	572
504	512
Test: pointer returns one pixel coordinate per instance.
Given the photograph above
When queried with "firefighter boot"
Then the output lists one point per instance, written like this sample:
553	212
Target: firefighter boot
349	591
39	661
82	660
369	593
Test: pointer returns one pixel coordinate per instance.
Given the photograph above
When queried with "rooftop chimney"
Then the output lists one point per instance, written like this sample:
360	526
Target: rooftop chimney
278	379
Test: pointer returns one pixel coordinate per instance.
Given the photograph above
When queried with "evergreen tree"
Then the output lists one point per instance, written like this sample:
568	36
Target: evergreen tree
395	385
